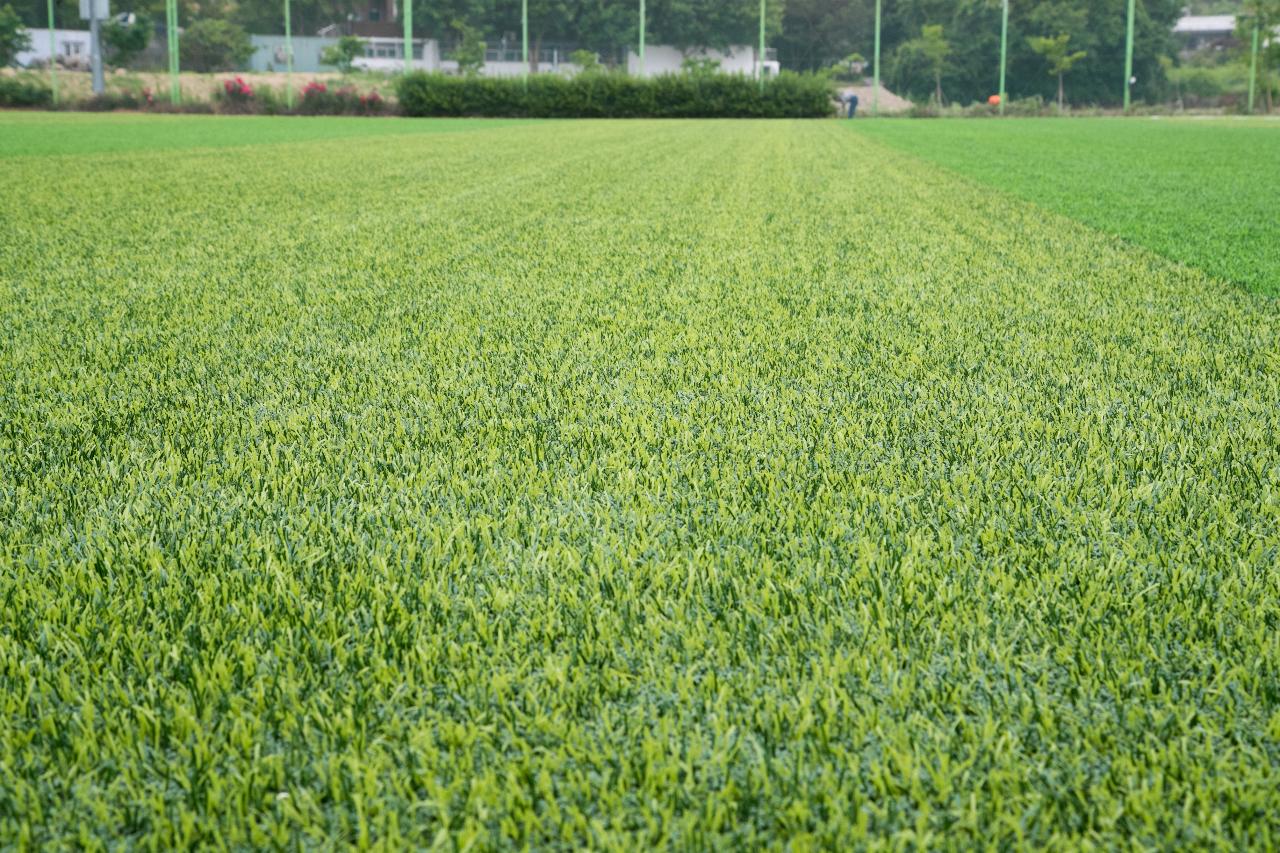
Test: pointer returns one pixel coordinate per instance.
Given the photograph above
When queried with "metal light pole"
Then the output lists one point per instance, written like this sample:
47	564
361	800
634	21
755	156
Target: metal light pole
875	92
53	57
95	48
408	35
642	38
1253	66
760	67
1128	57
171	34
288	56
524	36
1004	50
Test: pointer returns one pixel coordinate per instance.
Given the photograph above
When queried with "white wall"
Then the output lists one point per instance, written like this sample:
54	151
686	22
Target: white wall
664	59
512	69
426	55
70	44
659	59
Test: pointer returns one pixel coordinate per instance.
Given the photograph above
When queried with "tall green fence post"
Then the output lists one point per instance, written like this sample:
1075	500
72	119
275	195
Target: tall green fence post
875	92
1004	50
641	38
288	56
760	67
1128	57
524	38
53	56
1253	67
175	88
408	36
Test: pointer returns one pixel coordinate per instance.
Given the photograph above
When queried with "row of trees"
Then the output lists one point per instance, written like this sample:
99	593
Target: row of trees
931	48
1084	37
951	47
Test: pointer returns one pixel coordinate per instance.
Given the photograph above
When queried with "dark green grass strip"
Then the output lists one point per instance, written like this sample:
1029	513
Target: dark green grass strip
26	134
1199	192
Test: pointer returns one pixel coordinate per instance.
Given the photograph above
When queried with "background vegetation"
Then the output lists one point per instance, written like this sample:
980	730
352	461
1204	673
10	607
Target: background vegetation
808	35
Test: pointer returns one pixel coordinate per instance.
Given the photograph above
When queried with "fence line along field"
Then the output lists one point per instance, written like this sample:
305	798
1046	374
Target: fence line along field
687	484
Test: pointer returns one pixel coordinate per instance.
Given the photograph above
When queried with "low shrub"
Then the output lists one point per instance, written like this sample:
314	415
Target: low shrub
24	91
237	96
318	99
112	100
706	95
1013	108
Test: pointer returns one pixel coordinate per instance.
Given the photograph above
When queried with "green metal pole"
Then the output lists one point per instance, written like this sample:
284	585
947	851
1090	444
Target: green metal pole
53	55
875	92
761	67
1004	50
408	35
175	89
1128	56
1253	67
524	36
168	39
642	16
288	56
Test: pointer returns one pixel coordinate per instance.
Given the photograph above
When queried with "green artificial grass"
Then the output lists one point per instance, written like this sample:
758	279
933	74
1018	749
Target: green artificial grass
1201	192
634	484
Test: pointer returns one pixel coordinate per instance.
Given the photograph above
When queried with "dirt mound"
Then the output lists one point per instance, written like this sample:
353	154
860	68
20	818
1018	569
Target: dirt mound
889	102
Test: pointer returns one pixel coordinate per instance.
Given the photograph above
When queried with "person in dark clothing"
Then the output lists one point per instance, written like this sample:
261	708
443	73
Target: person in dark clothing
852	101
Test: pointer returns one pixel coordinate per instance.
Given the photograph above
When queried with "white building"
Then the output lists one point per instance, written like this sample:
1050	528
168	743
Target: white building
1196	32
384	53
1217	32
664	59
71	46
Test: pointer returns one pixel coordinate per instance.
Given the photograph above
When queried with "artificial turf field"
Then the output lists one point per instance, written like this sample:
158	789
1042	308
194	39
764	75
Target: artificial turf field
617	484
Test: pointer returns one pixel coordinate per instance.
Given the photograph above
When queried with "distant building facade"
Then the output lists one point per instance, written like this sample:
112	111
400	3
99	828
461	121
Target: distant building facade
70	46
1198	32
386	53
664	59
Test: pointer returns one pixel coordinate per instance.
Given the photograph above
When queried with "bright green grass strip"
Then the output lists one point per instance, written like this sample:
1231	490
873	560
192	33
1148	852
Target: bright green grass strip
590	485
25	134
1200	192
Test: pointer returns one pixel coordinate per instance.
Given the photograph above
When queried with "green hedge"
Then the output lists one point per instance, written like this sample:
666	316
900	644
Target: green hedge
606	95
22	91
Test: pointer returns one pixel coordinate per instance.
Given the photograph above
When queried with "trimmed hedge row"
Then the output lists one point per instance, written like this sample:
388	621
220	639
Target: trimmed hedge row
544	96
615	96
19	92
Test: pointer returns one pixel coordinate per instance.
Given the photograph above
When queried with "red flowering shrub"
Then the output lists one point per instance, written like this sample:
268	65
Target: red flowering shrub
371	103
238	88
237	96
317	99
